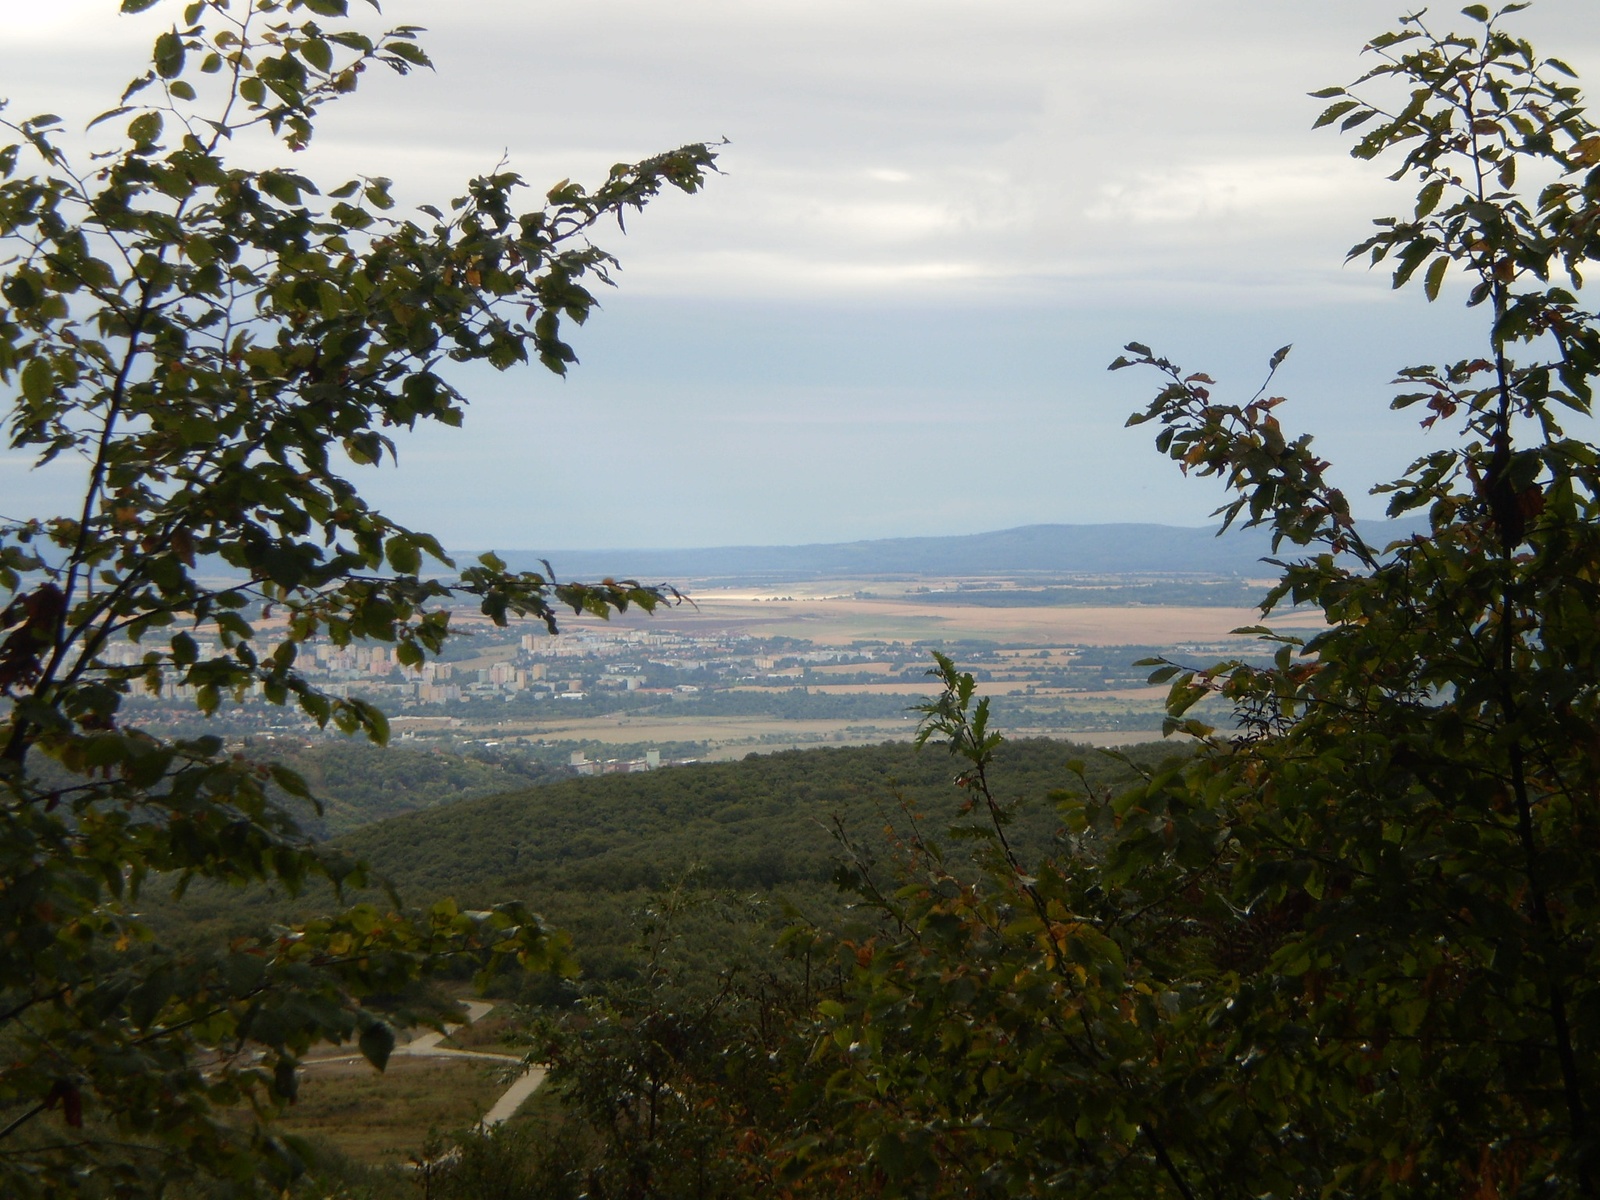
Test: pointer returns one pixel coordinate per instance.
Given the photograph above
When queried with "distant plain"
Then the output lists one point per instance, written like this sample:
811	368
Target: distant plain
829	613
918	611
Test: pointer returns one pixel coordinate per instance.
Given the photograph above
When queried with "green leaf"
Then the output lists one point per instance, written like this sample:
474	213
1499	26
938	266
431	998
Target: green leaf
109	114
377	1043
145	128
185	324
37	380
169	55
377	193
318	53
280	185
290	781
1435	276
21	290
185	650
138	85
1333	112
403	555
286	1079
1428	197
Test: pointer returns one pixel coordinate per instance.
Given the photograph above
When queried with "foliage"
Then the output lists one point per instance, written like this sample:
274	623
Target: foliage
753	824
1348	949
589	852
676	1075
1018	1029
357	783
211	342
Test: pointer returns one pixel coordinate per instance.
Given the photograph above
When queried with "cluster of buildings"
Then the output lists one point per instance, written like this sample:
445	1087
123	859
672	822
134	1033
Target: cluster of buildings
570	667
584	765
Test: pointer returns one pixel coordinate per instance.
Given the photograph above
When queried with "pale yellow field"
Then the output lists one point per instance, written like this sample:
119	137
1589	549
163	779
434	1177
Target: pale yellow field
897	687
1142	697
829	614
735	737
620	730
839	621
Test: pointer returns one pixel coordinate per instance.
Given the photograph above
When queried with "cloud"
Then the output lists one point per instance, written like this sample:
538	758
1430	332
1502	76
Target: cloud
877	145
937	215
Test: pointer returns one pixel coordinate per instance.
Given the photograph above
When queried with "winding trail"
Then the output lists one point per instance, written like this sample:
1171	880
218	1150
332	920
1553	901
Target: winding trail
428	1045
511	1099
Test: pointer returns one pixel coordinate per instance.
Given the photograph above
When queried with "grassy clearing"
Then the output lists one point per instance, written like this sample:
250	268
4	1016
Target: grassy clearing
384	1118
493	1033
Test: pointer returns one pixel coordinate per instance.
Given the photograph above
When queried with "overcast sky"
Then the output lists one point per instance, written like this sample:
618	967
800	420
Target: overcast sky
939	221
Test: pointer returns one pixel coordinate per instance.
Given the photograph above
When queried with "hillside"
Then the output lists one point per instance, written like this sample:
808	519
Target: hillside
358	782
1121	549
588	852
759	822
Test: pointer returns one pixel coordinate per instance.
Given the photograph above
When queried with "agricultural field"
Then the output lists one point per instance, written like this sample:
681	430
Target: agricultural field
827	615
737	670
1020	653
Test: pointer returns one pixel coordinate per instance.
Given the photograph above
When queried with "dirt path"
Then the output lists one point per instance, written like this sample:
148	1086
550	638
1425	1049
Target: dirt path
506	1107
427	1045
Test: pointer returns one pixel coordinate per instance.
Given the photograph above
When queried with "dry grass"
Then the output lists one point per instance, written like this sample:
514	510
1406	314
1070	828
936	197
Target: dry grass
838	620
745	731
384	1118
899	687
494	1033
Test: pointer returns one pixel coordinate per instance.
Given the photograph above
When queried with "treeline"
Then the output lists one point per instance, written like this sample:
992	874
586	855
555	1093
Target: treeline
590	852
357	782
760	822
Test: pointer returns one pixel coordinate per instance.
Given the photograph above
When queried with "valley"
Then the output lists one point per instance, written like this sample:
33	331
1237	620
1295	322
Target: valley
735	669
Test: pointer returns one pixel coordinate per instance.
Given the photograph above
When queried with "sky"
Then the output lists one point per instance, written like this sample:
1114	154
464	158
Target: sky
891	315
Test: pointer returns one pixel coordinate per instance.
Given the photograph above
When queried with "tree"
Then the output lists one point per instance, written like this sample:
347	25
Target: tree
1350	947
207	340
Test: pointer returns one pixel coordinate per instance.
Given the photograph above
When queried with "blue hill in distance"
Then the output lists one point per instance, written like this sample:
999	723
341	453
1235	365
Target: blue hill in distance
1045	550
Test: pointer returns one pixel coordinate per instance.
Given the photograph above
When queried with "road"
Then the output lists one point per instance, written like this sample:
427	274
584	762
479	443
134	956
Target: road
428	1045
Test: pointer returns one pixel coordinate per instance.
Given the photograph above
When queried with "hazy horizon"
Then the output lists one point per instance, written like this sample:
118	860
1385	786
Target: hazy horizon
891	317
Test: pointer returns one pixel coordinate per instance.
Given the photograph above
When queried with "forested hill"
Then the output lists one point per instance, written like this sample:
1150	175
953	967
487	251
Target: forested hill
1071	549
587	852
358	782
757	822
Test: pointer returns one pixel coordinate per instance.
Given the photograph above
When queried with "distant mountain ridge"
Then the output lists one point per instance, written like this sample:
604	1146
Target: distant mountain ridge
1117	549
